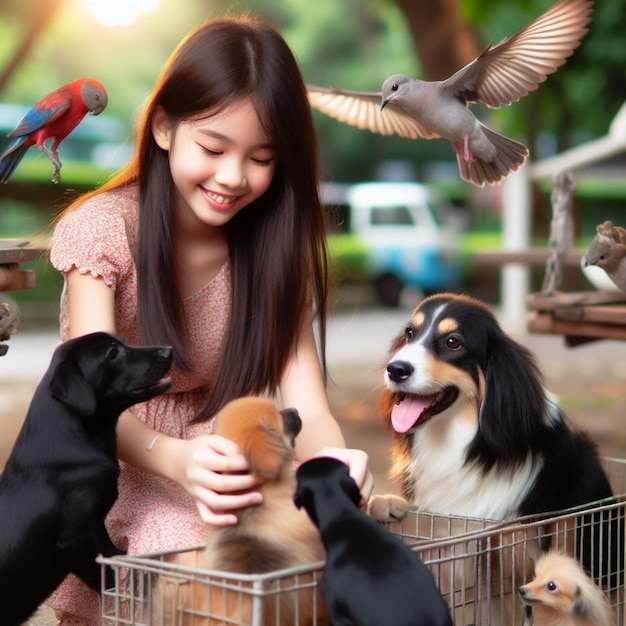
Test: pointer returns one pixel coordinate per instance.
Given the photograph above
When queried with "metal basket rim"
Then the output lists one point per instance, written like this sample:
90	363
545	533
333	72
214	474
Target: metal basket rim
152	562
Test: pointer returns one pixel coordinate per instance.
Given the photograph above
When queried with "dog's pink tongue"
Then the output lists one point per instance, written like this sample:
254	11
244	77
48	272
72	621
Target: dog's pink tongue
407	412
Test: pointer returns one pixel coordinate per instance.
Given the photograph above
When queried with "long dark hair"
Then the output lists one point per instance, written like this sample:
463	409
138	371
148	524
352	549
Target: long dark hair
277	245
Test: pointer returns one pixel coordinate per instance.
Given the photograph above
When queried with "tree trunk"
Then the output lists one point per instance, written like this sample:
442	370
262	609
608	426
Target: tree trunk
39	20
444	42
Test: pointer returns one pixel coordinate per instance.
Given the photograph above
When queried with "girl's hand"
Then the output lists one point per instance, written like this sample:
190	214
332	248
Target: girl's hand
357	462
215	474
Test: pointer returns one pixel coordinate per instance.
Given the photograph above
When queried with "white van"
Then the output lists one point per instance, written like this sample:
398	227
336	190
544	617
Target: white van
398	234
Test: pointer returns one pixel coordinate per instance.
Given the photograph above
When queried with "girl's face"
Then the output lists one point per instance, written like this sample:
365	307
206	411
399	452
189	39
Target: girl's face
220	163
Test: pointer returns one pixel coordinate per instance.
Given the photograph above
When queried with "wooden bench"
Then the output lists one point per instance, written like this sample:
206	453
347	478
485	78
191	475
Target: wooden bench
579	316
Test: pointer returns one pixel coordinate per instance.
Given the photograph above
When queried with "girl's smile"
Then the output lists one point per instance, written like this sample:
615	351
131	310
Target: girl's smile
220	202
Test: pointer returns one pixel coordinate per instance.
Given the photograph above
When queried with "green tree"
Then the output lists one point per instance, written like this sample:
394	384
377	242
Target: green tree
350	43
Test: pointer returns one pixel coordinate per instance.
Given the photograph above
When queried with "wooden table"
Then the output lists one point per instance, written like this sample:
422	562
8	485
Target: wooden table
579	316
12	253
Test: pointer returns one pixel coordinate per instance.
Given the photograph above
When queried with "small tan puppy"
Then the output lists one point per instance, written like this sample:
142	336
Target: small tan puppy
271	536
563	595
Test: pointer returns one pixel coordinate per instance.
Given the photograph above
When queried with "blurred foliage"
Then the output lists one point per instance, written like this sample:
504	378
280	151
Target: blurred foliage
349	43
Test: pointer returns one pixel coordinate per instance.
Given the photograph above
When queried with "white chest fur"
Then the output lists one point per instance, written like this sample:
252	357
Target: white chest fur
446	484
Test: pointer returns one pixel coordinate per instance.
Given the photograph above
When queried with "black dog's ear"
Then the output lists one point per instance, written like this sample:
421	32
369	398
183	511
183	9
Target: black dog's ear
514	403
305	498
302	496
69	387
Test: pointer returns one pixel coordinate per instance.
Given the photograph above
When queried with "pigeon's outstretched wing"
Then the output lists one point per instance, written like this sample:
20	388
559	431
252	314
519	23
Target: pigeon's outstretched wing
362	109
503	73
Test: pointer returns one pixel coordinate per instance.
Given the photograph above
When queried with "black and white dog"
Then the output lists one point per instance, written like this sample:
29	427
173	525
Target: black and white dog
475	431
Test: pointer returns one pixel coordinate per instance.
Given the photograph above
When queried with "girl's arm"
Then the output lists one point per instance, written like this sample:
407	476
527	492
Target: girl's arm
199	465
303	388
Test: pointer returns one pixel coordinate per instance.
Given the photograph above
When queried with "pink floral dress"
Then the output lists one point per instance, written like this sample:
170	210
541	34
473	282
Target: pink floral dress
151	513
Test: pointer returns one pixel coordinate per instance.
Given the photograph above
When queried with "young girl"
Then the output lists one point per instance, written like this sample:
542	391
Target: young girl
212	240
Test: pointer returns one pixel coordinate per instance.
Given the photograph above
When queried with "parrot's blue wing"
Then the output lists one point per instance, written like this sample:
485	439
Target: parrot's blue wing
37	117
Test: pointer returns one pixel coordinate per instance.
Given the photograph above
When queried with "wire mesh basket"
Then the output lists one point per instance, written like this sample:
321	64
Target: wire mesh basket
478	574
166	589
477	564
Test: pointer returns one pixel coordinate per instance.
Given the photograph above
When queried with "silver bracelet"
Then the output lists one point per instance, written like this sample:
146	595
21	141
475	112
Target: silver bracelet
154	440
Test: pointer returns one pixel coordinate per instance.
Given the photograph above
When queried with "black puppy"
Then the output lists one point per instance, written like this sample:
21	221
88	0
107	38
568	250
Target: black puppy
61	478
370	577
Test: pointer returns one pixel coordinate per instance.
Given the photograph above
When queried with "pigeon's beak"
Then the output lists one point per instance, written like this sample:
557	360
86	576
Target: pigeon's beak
384	103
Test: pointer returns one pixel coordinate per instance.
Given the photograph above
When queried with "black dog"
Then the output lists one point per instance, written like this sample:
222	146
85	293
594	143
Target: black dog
370	577
61	478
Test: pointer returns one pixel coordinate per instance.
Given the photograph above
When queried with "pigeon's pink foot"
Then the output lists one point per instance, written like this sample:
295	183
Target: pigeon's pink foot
467	155
463	150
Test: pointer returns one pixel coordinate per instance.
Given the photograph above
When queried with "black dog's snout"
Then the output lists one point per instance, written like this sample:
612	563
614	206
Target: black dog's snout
161	363
399	371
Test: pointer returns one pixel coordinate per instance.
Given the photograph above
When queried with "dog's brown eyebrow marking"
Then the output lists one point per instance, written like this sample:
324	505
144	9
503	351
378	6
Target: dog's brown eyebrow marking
418	319
447	325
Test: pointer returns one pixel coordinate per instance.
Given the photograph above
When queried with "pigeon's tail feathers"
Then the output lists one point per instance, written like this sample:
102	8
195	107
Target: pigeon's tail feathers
510	156
11	158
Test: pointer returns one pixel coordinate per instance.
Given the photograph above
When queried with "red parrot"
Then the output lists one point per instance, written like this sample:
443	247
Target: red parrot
55	115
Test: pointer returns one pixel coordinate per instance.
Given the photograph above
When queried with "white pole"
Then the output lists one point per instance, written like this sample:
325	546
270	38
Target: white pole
515	277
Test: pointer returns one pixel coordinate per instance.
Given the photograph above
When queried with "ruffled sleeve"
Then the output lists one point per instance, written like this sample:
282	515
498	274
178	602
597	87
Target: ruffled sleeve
93	238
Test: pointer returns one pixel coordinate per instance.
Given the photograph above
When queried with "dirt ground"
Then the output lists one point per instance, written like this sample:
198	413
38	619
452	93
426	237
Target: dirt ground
590	384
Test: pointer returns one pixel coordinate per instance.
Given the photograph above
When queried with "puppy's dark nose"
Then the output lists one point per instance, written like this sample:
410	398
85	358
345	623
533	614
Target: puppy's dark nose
399	371
521	591
293	423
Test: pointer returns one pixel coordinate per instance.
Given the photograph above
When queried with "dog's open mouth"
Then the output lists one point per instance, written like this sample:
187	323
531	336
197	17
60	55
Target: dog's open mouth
415	410
155	389
155	380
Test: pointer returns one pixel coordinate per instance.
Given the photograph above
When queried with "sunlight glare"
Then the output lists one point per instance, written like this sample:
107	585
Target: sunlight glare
119	12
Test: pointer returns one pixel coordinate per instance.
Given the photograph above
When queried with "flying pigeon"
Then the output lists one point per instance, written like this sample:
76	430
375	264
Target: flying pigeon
500	75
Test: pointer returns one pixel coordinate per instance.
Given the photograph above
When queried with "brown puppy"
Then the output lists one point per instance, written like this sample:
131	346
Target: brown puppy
271	536
563	595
